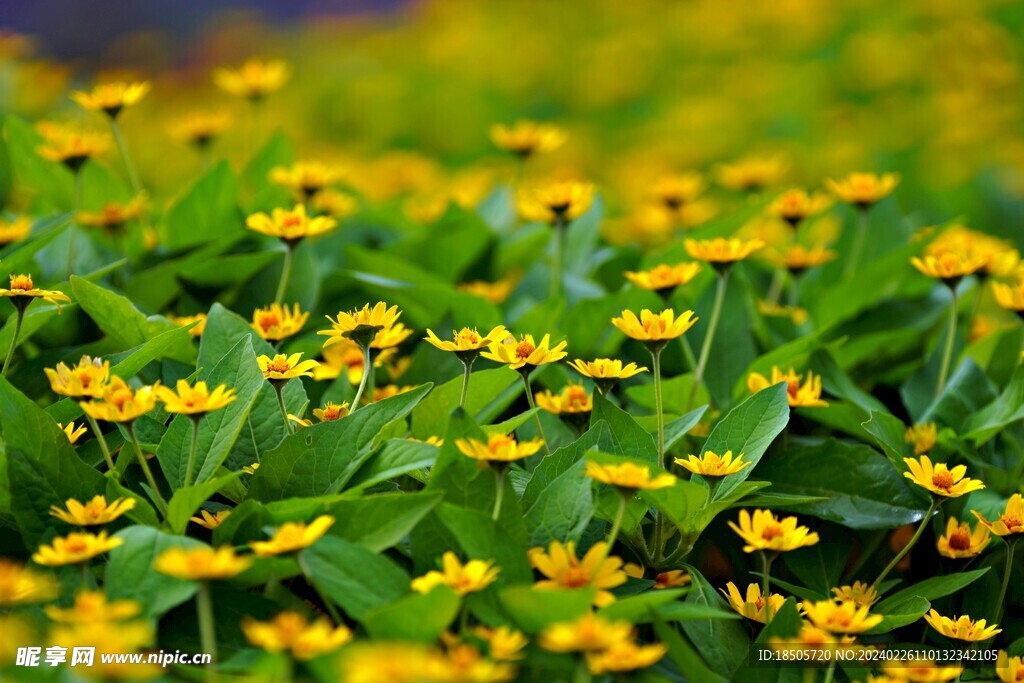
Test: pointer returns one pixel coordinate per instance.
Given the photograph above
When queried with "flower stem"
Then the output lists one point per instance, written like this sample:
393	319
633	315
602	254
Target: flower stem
1011	546
279	390
766	584
132	177
830	672
468	364
207	626
775	289
160	502
499	494
192	450
859	240
913	540
286	272
705	349
20	313
947	354
102	442
367	368
614	533
556	265
533	406
72	230
658	406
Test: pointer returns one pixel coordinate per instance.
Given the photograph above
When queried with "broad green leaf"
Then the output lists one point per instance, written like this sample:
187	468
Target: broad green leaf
533	610
685	655
562	509
889	433
490	391
353	577
898	613
394	458
639	608
723	643
206	211
931	589
186	501
130	574
414	617
382	521
1007	409
628	437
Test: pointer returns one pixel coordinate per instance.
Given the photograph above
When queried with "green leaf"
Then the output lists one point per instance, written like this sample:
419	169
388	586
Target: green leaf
356	579
723	643
449	247
684	655
381	521
490	391
820	566
130	574
415	617
1007	409
628	437
899	613
186	501
966	393
533	610
931	589
208	210
889	433
862	489
562	509
639	608
394	458
322	458
749	428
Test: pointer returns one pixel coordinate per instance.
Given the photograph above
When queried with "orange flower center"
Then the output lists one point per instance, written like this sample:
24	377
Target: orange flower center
120	397
267	321
960	540
76	545
942	479
279	365
524	349
85	378
771	531
759	603
331	412
575	577
1012	521
291	221
21	282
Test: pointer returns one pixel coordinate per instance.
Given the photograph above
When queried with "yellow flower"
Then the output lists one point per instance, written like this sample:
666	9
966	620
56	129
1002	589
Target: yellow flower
664	278
390	337
752	605
961	628
70	146
811	637
675	191
185	320
92	607
389	390
194	400
393	662
467	342
304	178
654	327
589	633
209	521
721	252
949	267
113	215
360	325
1009	669
806	395
20	585
463	662
251	469
525	354
292	536
558	202
765	531
88	378
860	593
290	225
1010	522
959	542
277	322
921	671
796	258
331	411
793	206
74	433
572	400
605	372
96	511
503	643
564	570
201	128
74	548
337	204
292	632
795	313
111	98
22	292
1010	297
710	464
254	80
923	436
201	563
120	403
844	617
499	450
625	655
526	138
863	189
14	230
752	173
629	476
939	479
471	577
495	292
282	367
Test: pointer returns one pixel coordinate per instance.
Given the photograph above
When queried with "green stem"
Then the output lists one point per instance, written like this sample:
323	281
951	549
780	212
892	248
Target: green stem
72	230
207	626
582	672
102	441
556	265
533	406
286	272
810	674
329	606
279	390
775	289
859	241
947	354
159	499
132	177
614	533
468	364
705	349
367	364
499	492
192	450
258	105
1011	545
691	360
20	313
766	584
658	406
913	540
830	672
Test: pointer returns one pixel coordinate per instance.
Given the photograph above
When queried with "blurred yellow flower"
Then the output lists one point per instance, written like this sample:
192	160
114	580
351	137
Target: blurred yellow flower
1009	669
292	536
184	320
525	354
557	202
390	337
194	400
573	399
921	670
959	542
74	548
950	267
88	378
1010	296
752	173
863	189
923	436
629	477
294	633
625	655
474	576
69	145
94	512
710	464
796	258
276	322
208	521
961	628
201	128
305	178
201	563
654	327
495	292
253	80
128	637
675	191
113	215
939	479
22	292
806	395
526	138
563	570
793	206
21	585
844	617
111	98
290	225
765	531
752	605
282	367
721	252
859	592
664	278
74	433
1010	522
14	230
589	633
503	643
93	607
120	403
795	313
499	450
334	203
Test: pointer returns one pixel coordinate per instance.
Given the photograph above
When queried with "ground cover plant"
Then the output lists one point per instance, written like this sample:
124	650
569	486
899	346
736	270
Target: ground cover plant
541	391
